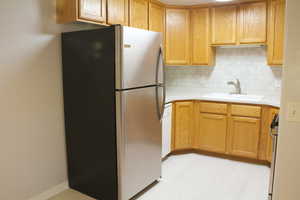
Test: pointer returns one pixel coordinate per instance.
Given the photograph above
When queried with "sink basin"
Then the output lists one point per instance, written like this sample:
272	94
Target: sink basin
234	97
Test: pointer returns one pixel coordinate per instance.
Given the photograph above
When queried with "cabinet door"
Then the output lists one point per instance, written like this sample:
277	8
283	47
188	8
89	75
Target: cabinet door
167	131
276	33
244	137
156	18
224	25
177	36
117	11
210	134
253	23
93	10
201	52
183	125
139	13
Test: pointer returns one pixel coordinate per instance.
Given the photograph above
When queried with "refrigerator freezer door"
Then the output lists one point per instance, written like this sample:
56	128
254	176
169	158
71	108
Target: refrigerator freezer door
139	55
139	141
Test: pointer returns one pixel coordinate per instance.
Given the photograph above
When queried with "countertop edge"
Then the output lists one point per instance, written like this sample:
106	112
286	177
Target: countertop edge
261	103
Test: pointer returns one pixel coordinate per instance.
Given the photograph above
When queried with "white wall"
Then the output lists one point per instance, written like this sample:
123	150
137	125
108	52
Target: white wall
32	145
287	185
247	64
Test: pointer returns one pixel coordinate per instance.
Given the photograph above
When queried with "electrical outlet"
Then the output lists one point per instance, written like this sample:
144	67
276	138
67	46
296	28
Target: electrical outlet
294	112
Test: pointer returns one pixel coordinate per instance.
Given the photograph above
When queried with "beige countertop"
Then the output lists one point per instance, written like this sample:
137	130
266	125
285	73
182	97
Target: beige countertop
269	101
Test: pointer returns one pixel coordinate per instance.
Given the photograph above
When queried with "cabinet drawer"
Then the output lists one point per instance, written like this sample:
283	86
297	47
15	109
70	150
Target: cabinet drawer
245	110
219	108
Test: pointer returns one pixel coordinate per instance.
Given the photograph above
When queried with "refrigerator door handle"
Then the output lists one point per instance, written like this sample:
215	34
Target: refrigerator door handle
158	85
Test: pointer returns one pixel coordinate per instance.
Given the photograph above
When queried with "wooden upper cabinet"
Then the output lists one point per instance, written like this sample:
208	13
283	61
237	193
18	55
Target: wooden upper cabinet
253	23
139	14
224	25
177	36
211	132
183	126
276	32
244	137
156	18
117	12
201	51
94	10
91	11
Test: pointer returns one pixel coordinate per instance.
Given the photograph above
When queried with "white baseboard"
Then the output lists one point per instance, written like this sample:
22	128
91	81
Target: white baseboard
51	192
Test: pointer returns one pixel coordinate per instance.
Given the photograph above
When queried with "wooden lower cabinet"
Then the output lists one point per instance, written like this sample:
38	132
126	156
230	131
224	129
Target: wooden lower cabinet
210	135
224	128
266	143
244	137
183	125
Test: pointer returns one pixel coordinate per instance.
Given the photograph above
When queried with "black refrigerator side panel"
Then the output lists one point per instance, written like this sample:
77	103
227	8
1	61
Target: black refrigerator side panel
89	103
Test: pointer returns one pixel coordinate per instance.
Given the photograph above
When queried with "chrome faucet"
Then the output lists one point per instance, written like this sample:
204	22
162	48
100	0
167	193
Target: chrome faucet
237	86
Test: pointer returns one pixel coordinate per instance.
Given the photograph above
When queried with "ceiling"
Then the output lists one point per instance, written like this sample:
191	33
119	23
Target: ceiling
186	2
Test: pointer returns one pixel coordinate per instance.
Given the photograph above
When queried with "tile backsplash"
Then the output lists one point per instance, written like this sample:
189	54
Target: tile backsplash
249	64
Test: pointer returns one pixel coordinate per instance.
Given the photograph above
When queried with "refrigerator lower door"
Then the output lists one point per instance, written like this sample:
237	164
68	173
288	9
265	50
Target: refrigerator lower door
139	140
139	53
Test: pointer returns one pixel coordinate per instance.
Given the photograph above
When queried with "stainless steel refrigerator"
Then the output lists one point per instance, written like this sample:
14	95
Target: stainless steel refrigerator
114	97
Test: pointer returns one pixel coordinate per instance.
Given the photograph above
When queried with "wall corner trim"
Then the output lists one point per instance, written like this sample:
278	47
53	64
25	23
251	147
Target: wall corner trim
52	191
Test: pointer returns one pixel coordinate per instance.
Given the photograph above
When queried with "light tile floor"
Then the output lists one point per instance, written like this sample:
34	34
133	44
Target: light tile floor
199	177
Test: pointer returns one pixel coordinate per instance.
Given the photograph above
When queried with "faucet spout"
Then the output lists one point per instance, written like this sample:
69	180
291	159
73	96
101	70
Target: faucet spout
237	86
